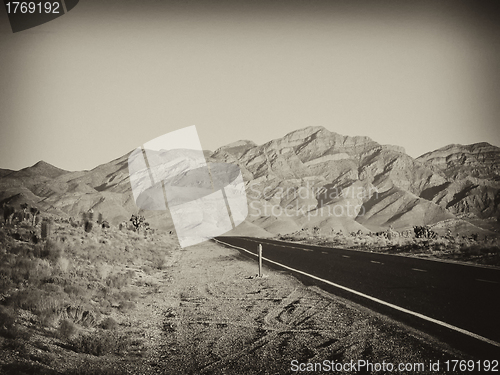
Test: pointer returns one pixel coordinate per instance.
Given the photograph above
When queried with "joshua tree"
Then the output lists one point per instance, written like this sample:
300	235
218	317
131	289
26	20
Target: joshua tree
34	211
46	229
138	222
424	232
87	220
24	207
8	213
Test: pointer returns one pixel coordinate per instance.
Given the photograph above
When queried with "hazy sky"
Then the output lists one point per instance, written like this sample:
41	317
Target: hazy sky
109	76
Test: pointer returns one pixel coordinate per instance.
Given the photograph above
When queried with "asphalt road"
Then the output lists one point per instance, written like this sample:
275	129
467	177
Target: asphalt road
467	297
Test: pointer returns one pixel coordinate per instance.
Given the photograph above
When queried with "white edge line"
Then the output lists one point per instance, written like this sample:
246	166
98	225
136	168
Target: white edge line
439	322
394	255
487	281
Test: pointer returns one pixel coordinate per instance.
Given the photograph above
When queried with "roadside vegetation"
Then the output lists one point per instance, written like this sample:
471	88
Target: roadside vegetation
84	297
419	241
70	287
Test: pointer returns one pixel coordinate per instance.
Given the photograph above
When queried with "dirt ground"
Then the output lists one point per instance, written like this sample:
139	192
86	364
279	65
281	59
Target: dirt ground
220	319
207	313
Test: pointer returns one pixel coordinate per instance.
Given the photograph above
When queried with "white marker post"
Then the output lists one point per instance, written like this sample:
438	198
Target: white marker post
260	260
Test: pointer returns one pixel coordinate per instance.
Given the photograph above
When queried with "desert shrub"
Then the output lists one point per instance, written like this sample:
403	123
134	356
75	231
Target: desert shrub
5	275
3	237
23	250
129	295
120	280
50	250
43	271
424	232
103	270
36	300
63	264
51	288
88	226
67	329
5	283
441	243
49	318
479	249
7	323
491	249
90	252
126	306
81	314
95	371
75	291
100	343
109	324
46	229
105	306
23	269
160	261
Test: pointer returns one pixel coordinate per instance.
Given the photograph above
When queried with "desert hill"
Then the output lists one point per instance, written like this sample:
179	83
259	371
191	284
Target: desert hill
311	178
473	178
320	179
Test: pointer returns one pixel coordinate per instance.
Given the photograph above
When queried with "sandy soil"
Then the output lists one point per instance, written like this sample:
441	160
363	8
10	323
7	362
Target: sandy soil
220	319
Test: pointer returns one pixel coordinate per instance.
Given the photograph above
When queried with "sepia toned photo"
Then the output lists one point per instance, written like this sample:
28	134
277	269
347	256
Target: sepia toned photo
249	187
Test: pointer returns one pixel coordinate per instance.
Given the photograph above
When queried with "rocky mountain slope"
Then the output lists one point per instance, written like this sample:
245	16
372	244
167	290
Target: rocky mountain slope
473	179
310	178
315	178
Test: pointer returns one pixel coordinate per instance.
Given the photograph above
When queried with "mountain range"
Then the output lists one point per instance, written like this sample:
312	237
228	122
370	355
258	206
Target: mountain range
311	178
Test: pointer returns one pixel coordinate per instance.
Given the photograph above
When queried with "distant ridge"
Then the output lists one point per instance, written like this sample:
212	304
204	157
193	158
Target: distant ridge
41	168
311	178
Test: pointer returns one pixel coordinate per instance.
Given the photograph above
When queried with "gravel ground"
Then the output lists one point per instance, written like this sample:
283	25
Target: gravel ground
207	313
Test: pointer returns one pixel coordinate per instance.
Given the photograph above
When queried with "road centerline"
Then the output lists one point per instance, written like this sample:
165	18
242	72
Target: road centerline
487	281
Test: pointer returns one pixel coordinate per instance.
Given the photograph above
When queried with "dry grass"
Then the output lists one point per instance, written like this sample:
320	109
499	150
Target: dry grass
86	306
100	343
480	250
71	291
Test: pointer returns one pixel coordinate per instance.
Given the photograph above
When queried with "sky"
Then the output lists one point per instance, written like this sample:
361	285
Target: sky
109	76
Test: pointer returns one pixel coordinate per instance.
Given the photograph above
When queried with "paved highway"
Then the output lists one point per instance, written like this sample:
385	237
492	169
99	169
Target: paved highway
467	297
